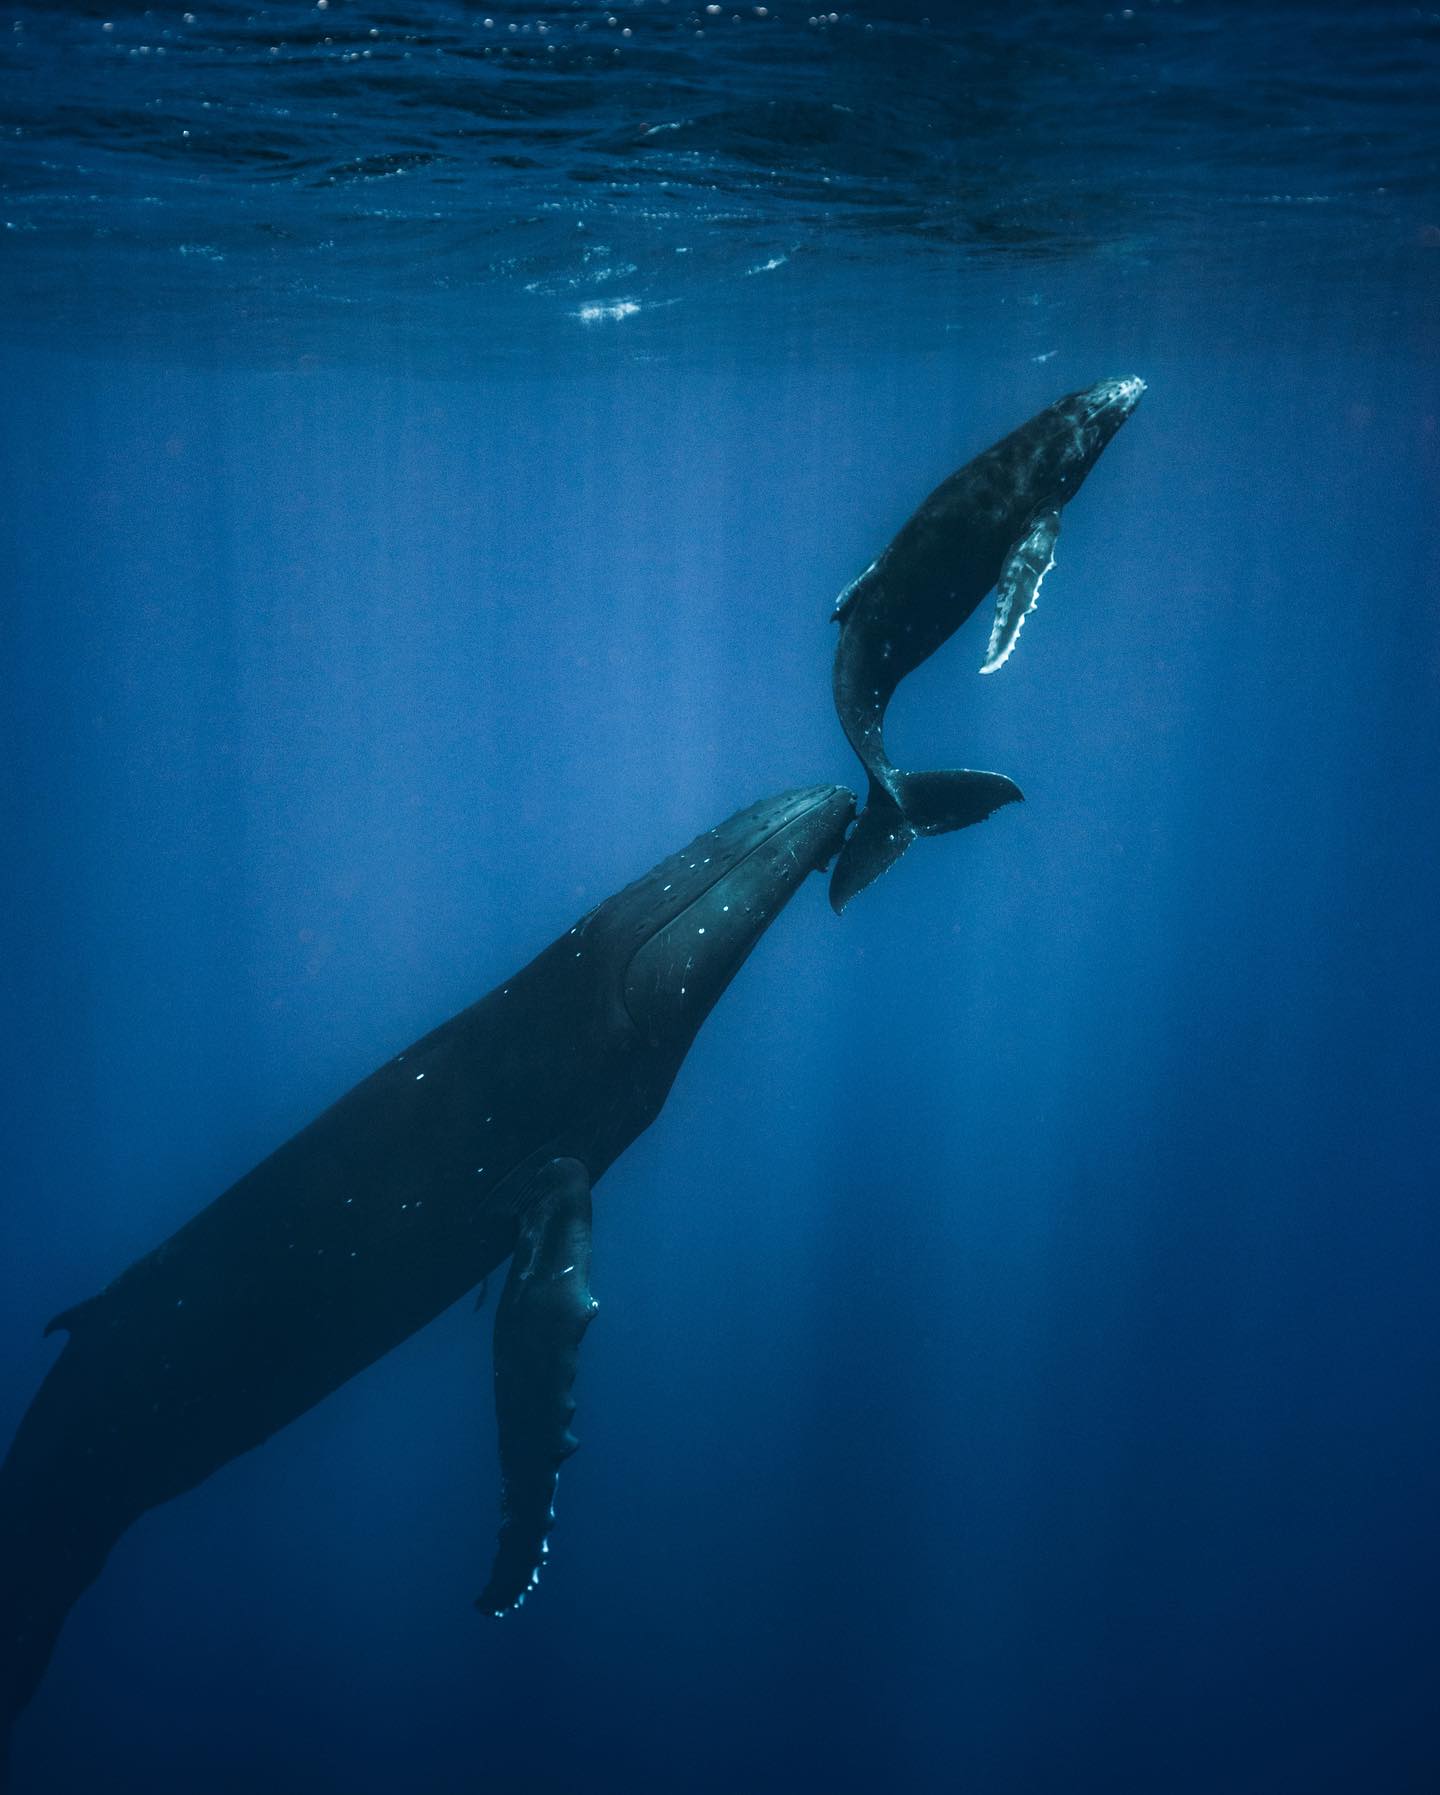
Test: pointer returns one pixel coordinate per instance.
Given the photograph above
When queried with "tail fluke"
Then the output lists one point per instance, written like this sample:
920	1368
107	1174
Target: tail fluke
876	842
913	804
68	1490
51	1559
936	803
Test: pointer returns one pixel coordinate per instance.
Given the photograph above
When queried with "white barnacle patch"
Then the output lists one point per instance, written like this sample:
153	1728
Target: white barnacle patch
418	1077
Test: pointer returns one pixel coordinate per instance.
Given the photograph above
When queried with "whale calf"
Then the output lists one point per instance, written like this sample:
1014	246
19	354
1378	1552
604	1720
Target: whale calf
993	523
479	1142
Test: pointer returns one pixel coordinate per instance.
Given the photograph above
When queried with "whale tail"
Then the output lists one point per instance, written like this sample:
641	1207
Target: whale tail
907	805
63	1505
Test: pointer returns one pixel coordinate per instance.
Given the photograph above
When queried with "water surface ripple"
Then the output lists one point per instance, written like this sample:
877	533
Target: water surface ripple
290	163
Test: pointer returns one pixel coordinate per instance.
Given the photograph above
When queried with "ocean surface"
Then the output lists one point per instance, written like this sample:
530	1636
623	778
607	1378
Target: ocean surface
431	443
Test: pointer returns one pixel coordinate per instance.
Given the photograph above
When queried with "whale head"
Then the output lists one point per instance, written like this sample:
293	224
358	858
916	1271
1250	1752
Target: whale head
1046	460
680	934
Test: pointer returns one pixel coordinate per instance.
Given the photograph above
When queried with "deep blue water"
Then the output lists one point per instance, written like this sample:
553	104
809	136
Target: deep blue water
1018	1360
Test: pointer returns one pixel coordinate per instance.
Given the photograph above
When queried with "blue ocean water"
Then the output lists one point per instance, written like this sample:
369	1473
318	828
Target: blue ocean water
432	442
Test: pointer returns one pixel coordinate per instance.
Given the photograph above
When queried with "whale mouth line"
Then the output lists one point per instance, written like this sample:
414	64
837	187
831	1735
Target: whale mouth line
823	795
674	978
762	842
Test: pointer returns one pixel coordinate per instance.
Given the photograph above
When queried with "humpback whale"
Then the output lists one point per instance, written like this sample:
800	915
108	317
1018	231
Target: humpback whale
993	523
479	1142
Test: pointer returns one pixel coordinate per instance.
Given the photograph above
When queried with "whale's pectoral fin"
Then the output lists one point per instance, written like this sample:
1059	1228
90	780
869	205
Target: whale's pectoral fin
1018	587
540	1320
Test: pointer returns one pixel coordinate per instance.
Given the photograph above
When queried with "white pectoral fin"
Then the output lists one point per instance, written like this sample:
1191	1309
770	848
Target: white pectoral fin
540	1321
1018	587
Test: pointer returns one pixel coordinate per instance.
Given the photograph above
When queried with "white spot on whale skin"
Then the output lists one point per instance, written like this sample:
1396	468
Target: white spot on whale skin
418	1077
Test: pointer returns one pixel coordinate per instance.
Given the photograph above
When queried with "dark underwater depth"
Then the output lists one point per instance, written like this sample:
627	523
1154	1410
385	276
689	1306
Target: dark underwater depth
432	443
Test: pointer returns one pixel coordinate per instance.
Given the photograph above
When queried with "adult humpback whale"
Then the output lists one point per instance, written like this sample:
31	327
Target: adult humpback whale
480	1141
993	523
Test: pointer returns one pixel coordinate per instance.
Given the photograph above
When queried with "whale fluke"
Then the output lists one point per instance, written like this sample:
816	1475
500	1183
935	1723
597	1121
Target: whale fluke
66	1496
907	805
